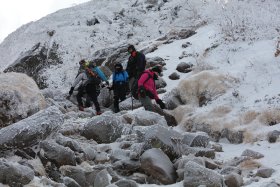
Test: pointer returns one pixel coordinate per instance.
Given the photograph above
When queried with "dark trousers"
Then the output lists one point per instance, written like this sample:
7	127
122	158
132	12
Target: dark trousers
119	95
90	90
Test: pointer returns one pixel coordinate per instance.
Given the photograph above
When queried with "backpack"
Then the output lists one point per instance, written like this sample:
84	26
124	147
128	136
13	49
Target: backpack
93	78
134	87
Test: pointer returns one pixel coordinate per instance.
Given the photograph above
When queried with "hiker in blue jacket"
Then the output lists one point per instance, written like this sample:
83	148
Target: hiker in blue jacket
120	85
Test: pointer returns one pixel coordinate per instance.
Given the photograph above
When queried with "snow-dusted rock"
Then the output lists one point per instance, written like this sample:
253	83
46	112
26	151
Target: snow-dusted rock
172	99
158	165
252	154
167	139
70	182
77	173
126	183
184	67
103	129
174	76
147	118
56	153
31	130
15	174
273	136
233	180
265	172
196	139
20	98
196	175
68	142
102	179
180	164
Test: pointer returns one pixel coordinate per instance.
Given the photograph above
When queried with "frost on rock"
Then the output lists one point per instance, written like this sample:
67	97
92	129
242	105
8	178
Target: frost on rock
31	130
20	98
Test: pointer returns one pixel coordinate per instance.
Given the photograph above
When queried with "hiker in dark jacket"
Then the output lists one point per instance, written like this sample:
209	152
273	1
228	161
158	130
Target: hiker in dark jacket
120	81
89	82
147	88
136	65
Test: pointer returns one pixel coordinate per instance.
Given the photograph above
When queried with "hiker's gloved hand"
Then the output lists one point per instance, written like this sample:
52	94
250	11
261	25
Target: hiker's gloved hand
71	91
142	92
160	103
111	88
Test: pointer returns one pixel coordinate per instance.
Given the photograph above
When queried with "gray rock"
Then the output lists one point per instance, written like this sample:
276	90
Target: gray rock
32	129
103	129
180	164
126	183
147	118
252	154
265	172
233	180
102	179
158	165
174	76
15	174
69	182
68	142
273	136
196	175
126	167
230	169
233	136
184	67
196	139
75	172
20	99
168	140
33	62
58	154
172	99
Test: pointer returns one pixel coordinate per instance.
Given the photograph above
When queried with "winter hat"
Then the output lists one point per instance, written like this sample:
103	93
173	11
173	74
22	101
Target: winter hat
82	61
157	68
131	47
118	66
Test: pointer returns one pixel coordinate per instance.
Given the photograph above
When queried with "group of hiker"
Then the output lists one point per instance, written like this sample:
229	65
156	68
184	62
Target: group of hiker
136	80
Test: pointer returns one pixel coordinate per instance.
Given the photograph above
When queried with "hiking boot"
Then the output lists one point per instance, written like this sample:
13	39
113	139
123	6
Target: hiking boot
81	108
98	112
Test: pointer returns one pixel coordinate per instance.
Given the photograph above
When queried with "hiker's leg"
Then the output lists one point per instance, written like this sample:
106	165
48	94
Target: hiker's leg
80	95
91	91
131	82
147	103
116	102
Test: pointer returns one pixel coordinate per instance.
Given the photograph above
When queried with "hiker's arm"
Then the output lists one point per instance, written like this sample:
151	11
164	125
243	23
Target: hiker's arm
78	79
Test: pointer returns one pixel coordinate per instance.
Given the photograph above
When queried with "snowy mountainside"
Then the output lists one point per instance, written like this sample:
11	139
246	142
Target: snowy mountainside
77	35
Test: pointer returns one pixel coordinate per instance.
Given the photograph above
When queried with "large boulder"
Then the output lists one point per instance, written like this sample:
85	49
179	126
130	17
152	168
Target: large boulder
196	175
31	130
15	174
158	165
103	129
58	154
34	61
20	98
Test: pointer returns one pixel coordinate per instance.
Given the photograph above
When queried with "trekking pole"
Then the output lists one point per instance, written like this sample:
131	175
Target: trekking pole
131	102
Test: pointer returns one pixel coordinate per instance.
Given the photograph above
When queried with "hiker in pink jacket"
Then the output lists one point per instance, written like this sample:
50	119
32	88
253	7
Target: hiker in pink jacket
147	88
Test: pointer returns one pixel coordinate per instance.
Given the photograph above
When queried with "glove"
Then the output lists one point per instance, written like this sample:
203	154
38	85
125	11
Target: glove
107	83
110	88
71	90
160	103
142	92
